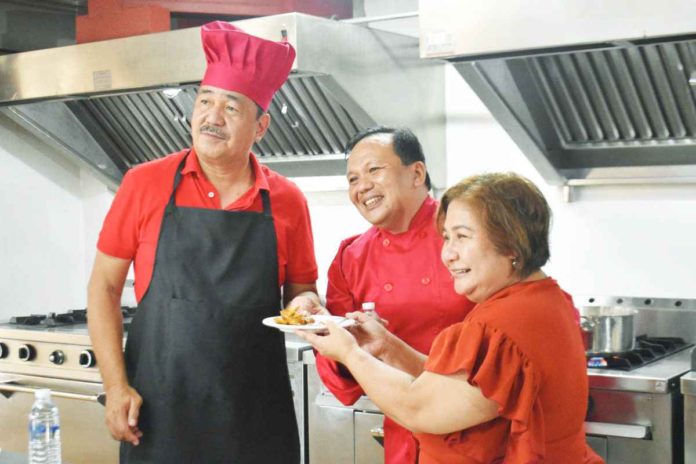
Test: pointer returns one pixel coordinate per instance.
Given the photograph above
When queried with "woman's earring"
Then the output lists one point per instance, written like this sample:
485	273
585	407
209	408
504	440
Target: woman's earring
514	262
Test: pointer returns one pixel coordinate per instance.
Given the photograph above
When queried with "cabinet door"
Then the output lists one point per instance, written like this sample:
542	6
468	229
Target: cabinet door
598	444
331	435
367	449
689	429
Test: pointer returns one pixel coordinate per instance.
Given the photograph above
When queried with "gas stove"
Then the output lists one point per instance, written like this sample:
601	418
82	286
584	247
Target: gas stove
69	318
647	350
55	345
635	408
54	351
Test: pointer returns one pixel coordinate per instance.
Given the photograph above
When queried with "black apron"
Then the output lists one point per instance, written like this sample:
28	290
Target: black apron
213	379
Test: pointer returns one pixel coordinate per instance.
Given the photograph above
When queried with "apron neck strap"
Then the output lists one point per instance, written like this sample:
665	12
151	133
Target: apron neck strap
177	178
265	196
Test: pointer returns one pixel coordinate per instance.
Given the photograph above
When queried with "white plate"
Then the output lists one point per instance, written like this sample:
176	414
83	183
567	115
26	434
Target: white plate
317	326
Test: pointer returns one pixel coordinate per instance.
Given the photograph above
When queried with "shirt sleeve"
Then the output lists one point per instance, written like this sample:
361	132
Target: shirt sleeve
495	364
119	233
302	264
339	301
576	313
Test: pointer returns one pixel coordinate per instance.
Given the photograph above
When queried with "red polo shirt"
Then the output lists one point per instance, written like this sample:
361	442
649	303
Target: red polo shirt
132	225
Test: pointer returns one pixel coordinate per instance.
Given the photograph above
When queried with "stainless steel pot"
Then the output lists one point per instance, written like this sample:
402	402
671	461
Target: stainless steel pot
608	329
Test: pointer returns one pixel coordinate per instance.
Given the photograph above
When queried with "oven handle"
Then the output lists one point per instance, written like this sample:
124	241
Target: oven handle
99	398
378	434
641	432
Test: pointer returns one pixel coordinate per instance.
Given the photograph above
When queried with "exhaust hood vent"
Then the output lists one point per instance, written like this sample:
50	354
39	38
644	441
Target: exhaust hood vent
307	123
621	95
118	103
584	112
306	120
597	115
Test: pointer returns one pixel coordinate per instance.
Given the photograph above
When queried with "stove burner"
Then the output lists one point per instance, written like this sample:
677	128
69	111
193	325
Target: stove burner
648	349
34	319
78	315
71	317
128	311
45	320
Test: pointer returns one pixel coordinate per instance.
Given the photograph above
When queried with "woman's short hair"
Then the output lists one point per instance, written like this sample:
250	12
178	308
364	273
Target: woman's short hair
514	212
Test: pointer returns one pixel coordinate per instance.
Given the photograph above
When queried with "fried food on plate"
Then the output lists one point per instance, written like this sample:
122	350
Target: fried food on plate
293	316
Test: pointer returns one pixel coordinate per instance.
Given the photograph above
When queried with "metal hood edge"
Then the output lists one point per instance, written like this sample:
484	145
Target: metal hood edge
116	103
592	92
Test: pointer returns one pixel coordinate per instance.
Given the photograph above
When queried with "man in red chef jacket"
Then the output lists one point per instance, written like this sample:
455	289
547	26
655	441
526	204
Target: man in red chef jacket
395	264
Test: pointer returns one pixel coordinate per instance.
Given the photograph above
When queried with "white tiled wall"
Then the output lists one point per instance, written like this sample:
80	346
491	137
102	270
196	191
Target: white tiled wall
41	227
635	241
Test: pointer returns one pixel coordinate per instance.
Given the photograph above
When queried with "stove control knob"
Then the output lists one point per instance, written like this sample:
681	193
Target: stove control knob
4	350
57	357
87	358
26	352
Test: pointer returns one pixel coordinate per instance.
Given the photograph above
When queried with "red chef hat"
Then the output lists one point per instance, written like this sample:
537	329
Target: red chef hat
244	63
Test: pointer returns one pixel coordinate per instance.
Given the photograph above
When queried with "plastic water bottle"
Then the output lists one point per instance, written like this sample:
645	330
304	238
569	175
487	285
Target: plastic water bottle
44	430
369	308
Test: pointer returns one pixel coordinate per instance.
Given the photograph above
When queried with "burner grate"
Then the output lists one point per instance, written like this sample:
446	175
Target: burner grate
648	349
70	317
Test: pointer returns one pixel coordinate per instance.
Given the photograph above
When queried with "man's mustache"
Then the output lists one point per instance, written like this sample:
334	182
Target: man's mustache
208	129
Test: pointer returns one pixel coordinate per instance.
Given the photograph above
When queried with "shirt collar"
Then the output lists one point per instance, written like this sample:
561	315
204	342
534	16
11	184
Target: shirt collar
260	180
424	217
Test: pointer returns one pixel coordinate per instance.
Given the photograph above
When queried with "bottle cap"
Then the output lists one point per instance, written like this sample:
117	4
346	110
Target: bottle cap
368	306
44	394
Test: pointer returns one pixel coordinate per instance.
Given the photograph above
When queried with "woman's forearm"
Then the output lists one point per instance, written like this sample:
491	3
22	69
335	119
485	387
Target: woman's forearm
403	357
430	403
387	386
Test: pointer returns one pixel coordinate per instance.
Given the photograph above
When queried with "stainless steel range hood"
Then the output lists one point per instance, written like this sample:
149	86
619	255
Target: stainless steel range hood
117	103
593	92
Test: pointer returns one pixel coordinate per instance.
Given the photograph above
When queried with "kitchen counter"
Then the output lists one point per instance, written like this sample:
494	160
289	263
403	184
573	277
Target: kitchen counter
8	457
688	387
688	383
661	376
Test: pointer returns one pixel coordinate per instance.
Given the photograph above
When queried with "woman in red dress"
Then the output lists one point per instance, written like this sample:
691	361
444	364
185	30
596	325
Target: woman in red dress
509	382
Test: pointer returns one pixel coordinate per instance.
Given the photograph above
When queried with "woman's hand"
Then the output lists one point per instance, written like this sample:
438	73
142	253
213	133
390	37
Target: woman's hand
336	345
370	333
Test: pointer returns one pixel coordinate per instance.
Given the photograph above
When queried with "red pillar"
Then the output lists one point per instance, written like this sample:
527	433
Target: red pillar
109	19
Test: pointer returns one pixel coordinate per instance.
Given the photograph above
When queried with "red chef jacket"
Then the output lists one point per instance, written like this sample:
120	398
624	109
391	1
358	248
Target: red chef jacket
411	288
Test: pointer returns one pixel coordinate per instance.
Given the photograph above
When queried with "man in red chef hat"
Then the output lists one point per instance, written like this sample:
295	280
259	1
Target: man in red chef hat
214	237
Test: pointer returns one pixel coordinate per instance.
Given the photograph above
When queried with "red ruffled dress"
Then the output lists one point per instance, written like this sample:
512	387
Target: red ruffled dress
522	348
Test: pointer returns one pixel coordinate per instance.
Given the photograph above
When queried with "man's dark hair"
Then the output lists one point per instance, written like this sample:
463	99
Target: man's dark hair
406	145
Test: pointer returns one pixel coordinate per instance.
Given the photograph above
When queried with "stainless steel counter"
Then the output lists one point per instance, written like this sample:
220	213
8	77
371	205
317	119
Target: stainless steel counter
353	432
658	377
688	384
688	387
8	457
75	334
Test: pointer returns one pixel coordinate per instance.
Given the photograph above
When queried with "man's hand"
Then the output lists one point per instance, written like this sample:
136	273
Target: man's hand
122	410
307	304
